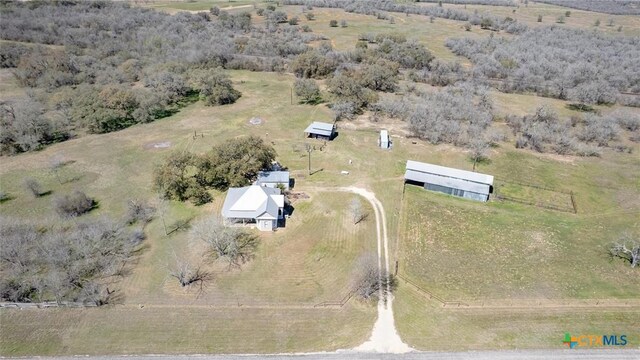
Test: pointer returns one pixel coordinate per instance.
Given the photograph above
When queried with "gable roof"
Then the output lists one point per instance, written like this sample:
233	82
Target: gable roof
273	177
320	128
414	167
252	202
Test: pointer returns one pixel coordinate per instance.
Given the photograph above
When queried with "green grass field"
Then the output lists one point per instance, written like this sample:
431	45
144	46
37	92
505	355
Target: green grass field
426	326
452	247
578	18
296	266
181	329
199	5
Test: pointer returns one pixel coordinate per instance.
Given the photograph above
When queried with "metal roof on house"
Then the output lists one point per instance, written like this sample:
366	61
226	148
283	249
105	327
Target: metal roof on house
273	177
320	128
384	134
415	167
252	202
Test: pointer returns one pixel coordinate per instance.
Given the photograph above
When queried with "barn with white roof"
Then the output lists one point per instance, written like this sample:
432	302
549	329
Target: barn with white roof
456	182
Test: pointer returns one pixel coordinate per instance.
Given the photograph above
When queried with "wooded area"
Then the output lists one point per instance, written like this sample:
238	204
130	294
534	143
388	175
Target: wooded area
108	65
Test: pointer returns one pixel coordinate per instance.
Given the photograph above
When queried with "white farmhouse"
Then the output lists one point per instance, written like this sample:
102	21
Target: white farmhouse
259	205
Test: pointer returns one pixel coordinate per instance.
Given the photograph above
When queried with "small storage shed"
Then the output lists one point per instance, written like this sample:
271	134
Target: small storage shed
384	139
273	178
456	182
320	130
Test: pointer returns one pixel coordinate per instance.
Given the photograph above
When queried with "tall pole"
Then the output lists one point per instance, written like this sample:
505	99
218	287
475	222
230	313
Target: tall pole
309	151
291	95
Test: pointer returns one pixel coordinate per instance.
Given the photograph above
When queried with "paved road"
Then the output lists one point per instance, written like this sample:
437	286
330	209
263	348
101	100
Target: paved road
600	354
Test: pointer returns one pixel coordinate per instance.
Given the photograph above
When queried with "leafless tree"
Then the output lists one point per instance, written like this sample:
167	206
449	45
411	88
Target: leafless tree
479	151
74	204
235	245
369	280
139	211
163	207
626	248
358	213
33	186
187	274
55	164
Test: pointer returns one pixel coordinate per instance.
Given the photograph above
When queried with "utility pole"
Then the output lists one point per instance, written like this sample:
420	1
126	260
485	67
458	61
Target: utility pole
309	149
291	95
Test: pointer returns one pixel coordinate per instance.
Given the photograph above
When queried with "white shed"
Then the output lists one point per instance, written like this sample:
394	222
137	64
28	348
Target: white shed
384	139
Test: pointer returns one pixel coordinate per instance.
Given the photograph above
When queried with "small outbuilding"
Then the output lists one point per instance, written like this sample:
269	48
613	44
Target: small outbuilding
384	139
456	182
320	130
259	205
273	179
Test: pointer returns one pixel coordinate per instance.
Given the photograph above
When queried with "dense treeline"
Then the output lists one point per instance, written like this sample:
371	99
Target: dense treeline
585	66
377	7
458	114
107	65
462	115
354	78
617	7
545	131
473	2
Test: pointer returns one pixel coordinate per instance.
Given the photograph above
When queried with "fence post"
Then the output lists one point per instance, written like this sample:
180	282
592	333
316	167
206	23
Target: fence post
573	202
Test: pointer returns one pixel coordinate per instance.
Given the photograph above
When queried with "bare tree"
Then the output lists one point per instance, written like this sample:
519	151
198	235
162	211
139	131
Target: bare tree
369	280
55	164
74	204
233	244
139	210
163	207
33	186
626	248
187	274
358	213
479	151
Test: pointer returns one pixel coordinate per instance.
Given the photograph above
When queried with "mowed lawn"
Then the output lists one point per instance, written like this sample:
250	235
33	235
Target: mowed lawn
270	299
181	330
295	266
503	253
462	249
424	325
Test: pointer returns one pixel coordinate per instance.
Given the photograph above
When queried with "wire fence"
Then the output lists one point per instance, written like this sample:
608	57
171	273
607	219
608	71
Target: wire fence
522	303
46	305
339	303
570	205
431	296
